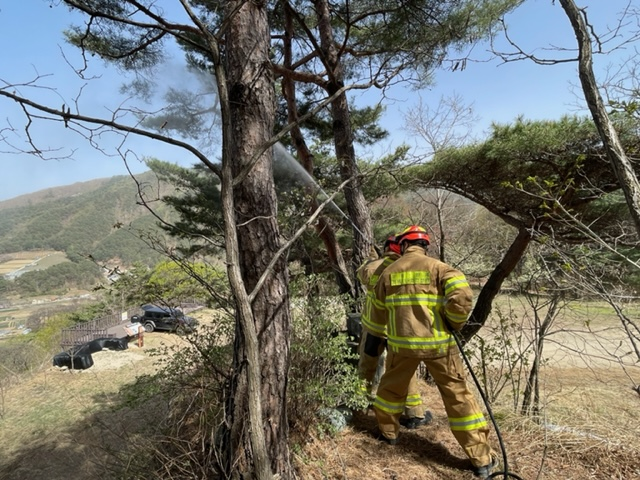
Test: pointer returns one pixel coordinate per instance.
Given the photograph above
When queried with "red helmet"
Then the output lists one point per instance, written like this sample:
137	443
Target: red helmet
414	232
392	244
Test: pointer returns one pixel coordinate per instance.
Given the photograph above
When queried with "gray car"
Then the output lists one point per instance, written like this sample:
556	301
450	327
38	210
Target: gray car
165	319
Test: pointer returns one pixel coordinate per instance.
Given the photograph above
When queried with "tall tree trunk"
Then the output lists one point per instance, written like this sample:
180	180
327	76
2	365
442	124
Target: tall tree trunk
323	229
440	202
484	302
618	158
252	111
531	395
343	138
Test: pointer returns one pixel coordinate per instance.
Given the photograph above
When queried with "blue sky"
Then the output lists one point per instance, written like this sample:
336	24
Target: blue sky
33	45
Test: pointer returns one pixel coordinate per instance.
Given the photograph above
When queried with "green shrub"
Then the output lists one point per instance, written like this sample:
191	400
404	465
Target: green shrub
322	374
186	395
189	387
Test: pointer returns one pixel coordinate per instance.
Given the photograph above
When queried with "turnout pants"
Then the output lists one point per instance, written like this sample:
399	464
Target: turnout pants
368	365
466	420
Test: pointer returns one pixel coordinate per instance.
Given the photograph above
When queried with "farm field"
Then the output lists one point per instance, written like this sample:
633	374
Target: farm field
22	262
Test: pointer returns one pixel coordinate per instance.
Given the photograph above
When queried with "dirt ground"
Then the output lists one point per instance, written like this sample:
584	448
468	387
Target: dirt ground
61	424
431	452
589	430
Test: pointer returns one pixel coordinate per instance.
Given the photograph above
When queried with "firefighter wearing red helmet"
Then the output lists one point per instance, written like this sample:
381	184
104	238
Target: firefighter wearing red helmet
373	342
417	300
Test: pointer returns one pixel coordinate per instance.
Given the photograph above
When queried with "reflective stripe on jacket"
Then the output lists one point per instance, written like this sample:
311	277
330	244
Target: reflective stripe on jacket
369	274
415	298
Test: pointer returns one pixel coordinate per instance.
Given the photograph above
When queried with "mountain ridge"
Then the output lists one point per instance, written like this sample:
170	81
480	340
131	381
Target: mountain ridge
51	193
98	219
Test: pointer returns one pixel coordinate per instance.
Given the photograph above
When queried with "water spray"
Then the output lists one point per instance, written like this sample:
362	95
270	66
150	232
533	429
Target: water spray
285	165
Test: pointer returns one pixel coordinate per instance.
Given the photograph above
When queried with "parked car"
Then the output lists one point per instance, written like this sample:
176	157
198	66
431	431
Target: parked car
165	319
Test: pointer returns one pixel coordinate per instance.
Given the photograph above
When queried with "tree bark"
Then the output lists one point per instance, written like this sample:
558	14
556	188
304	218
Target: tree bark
439	212
263	327
617	157
484	302
343	138
531	395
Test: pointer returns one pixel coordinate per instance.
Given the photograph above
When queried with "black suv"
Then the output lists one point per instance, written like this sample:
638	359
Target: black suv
165	318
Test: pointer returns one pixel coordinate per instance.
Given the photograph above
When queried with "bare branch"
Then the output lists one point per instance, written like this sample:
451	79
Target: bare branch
68	117
291	241
287	128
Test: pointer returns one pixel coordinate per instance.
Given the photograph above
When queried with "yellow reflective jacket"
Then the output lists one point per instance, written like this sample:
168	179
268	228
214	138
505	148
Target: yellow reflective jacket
413	298
368	274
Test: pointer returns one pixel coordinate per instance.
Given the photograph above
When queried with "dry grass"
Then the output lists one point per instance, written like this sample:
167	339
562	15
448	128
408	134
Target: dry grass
62	425
589	429
431	452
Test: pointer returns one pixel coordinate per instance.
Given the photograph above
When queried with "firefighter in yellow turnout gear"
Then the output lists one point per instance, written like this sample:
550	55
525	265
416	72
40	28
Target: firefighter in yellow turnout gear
417	298
373	340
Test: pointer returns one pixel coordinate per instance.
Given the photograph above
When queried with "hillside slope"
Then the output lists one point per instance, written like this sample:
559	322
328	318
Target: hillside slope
79	219
60	425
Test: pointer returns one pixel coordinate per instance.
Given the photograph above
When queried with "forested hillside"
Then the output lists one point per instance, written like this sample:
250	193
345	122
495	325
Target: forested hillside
99	219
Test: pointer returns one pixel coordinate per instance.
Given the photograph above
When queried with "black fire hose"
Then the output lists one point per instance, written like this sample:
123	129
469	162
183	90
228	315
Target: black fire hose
505	473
